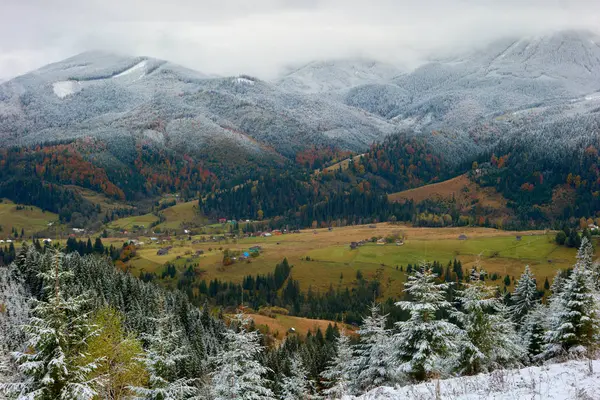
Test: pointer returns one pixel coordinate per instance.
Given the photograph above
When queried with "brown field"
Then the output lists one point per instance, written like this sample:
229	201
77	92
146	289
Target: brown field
460	188
281	324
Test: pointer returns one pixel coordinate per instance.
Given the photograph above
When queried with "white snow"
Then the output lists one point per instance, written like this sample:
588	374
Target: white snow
139	69
244	81
65	88
571	380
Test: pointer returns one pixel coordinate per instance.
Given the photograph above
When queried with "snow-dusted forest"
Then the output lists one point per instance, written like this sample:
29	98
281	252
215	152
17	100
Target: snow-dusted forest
77	328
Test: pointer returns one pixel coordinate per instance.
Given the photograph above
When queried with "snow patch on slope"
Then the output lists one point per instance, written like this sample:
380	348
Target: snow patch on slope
63	89
244	81
571	380
138	70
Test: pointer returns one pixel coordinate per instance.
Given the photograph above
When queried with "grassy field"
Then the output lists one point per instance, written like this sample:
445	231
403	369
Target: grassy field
331	261
281	324
176	217
31	219
466	192
129	222
182	213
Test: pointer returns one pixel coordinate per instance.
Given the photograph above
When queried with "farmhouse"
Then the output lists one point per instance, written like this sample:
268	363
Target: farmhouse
519	237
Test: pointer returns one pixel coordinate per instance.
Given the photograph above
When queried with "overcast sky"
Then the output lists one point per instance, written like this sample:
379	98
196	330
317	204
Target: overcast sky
259	37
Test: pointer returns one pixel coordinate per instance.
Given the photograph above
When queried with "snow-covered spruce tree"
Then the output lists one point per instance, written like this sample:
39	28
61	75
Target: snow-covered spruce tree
14	313
422	342
238	373
296	386
574	322
373	355
163	359
338	374
533	330
491	341
524	297
54	363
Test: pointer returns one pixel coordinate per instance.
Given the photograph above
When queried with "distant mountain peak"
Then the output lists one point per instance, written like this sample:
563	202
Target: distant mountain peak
337	74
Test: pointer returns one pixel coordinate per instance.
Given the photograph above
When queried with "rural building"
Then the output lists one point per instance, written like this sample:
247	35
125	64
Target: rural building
255	249
162	252
353	245
462	237
372	226
222	220
518	238
381	241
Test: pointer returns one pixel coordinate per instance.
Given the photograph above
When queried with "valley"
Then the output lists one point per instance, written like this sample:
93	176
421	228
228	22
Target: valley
346	225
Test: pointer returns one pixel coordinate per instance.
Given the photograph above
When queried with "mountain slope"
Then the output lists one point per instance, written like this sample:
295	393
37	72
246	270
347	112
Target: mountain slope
103	95
334	75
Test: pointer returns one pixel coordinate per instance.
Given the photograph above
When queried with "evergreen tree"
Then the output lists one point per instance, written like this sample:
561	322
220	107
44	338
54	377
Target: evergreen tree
98	246
491	341
372	365
338	374
163	360
14	313
296	386
54	364
575	317
532	330
423	341
238	374
524	296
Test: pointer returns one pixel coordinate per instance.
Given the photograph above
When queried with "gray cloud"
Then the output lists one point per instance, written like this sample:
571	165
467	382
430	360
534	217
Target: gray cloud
260	37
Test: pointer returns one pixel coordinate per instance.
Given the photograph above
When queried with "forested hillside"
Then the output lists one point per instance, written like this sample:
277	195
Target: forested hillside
515	114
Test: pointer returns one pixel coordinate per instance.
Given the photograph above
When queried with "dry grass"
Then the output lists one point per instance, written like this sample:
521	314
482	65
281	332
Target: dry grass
466	192
281	324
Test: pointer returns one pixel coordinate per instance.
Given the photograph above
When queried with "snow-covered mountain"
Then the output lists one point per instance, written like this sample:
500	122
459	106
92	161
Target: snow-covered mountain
106	96
514	88
334	75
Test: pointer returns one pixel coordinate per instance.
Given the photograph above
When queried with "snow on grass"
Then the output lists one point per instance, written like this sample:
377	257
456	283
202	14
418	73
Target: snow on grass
65	88
138	69
571	380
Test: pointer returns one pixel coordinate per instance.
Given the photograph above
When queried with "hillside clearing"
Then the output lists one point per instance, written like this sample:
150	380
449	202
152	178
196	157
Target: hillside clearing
279	325
467	193
31	219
